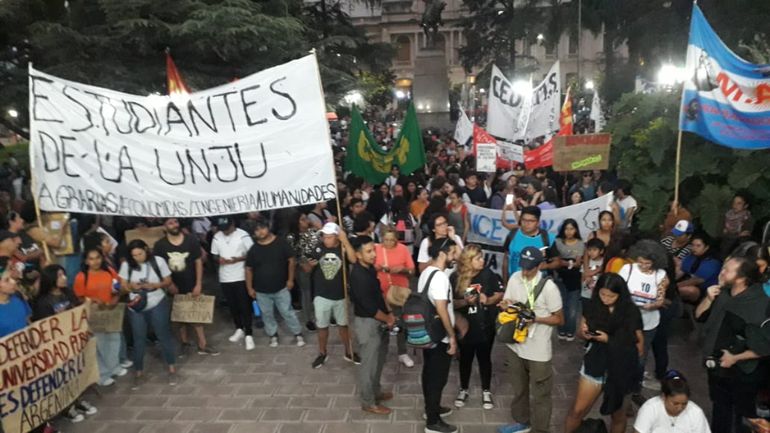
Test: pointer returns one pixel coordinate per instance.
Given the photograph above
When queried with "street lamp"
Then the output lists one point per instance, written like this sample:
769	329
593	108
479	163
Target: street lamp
13	113
540	38
400	94
590	85
670	75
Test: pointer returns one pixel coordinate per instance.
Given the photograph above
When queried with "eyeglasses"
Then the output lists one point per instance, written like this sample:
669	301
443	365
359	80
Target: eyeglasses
529	220
441	224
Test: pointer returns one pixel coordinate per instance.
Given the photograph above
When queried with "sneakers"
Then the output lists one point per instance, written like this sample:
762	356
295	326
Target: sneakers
208	350
486	400
406	360
250	342
274	341
651	384
300	340
440	427
319	360
137	383
184	349
514	428
377	410
86	407
462	397
562	336
120	372
355	359
173	378
106	382
237	336
569	337
74	415
311	326
127	363
444	411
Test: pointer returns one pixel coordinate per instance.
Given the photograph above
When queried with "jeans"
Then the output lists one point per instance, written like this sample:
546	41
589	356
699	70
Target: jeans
570	300
282	301
306	292
732	399
660	342
240	305
531	379
401	337
373	348
160	320
482	351
649	336
107	353
435	373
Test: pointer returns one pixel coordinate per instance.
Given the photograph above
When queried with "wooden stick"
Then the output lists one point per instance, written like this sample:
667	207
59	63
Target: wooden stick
33	187
676	171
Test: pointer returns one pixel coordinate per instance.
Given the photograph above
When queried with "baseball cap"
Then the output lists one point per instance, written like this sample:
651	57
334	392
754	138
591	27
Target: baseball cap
682	227
7	234
224	222
530	258
330	229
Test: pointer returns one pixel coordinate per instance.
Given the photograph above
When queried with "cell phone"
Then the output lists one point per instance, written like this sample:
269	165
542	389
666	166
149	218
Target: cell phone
593	333
509	199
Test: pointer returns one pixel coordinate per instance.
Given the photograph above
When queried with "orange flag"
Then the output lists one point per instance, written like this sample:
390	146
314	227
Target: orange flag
565	120
175	83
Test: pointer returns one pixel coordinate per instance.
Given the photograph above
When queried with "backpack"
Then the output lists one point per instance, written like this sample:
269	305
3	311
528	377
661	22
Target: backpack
509	238
424	329
592	425
513	322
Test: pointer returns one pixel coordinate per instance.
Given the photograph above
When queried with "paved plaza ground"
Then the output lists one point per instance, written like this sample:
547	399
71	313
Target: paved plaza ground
274	390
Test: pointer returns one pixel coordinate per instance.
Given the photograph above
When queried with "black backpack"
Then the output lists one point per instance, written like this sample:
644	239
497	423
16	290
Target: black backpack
592	425
153	264
424	329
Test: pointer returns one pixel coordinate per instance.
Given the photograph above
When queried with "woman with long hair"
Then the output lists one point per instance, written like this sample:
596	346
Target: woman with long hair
478	290
612	327
100	283
147	277
606	230
570	249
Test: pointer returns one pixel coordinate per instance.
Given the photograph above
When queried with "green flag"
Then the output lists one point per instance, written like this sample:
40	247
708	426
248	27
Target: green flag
364	156
366	159
409	152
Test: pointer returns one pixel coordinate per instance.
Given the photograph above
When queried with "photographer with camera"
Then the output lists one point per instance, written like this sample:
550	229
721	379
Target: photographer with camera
530	360
734	371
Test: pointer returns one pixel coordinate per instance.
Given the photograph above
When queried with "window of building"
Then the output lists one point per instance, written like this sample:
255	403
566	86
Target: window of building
403	49
573	43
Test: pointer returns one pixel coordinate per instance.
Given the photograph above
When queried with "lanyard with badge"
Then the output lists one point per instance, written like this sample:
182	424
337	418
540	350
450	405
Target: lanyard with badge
530	286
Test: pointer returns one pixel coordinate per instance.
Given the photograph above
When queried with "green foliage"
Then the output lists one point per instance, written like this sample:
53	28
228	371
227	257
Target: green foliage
644	136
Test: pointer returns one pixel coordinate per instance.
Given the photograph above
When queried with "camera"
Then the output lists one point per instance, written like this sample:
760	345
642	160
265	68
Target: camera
711	362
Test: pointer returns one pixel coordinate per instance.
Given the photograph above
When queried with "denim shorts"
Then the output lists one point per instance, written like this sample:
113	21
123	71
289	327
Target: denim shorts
595	380
325	309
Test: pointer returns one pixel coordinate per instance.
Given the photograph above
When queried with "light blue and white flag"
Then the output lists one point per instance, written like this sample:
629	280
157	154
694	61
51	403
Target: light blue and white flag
725	98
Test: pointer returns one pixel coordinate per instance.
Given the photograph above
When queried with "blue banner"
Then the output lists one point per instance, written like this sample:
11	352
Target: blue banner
725	99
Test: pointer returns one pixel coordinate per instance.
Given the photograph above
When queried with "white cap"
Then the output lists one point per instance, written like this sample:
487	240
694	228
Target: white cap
330	229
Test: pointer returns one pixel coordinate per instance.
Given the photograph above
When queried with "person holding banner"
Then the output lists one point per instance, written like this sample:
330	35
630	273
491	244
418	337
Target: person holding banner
148	277
100	283
182	252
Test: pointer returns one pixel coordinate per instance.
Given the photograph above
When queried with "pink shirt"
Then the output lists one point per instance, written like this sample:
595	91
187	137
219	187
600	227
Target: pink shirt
397	257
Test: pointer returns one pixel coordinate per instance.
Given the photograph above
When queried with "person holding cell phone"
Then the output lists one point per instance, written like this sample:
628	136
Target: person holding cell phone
612	327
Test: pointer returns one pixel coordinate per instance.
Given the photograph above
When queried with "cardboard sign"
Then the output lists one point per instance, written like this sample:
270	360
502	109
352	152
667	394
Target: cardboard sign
103	319
486	157
188	309
44	368
149	235
57	224
581	152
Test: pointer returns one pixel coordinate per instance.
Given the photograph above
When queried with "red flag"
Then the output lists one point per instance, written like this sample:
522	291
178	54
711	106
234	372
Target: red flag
480	135
539	157
565	120
175	83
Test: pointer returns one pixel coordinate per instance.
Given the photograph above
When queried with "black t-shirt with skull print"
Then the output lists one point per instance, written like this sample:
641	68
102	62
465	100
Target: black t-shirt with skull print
181	260
327	278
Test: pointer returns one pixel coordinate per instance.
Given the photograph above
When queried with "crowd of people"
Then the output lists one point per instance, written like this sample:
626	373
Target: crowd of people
617	291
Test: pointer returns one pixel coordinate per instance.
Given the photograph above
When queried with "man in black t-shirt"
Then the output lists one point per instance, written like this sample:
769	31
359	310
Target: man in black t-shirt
183	254
329	298
270	265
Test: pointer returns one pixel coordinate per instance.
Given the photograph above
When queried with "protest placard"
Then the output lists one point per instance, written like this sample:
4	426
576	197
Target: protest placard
258	143
581	152
44	368
486	157
106	318
57	225
190	309
149	235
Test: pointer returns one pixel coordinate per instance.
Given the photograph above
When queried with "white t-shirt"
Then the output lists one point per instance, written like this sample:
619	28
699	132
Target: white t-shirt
201	226
537	347
424	257
236	244
626	203
644	290
440	289
146	274
653	418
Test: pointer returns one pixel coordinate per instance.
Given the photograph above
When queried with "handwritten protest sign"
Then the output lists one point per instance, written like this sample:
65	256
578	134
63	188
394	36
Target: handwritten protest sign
149	235
189	309
581	152
57	225
258	143
103	319
44	368
486	157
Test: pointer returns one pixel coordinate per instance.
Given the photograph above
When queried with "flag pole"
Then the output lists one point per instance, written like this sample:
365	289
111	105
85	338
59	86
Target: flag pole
33	187
676	171
339	222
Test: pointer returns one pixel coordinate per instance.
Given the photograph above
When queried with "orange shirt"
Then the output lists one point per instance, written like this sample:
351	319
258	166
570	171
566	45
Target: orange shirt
615	264
418	208
99	285
397	257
